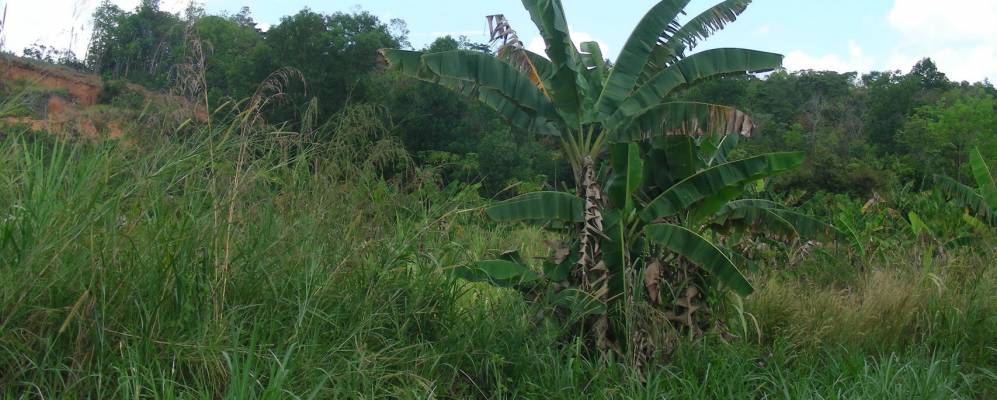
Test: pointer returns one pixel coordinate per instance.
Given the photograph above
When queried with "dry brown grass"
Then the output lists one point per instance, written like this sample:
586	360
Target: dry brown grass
889	307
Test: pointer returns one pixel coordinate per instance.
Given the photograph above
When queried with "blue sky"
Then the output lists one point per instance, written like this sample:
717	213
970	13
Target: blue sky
842	35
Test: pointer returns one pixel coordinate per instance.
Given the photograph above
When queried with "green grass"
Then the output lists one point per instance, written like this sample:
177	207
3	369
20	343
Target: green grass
257	267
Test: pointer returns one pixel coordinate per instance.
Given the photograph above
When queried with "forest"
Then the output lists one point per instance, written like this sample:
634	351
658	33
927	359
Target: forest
319	210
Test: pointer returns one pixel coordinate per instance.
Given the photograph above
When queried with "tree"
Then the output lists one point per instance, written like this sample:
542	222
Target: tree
655	191
459	136
894	97
52	55
141	46
939	136
333	52
229	43
927	73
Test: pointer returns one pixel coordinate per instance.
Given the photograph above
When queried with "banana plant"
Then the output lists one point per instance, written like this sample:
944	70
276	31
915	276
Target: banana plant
644	188
981	201
673	204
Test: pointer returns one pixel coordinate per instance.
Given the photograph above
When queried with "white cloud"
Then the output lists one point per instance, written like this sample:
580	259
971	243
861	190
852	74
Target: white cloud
538	46
952	21
967	63
764	29
56	23
959	35
855	61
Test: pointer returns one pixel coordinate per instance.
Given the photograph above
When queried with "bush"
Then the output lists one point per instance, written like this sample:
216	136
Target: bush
110	90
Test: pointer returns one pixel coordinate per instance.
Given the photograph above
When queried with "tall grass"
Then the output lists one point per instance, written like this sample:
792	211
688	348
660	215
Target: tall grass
248	263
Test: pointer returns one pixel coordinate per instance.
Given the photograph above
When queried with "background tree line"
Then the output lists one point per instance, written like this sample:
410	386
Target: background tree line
862	133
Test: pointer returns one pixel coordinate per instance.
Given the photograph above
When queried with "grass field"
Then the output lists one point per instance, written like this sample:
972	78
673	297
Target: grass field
254	266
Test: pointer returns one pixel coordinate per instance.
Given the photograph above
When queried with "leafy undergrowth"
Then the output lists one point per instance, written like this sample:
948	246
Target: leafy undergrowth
253	267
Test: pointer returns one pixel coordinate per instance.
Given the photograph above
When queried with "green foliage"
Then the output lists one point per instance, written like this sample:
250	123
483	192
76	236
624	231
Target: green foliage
938	137
984	179
334	53
558	206
497	272
141	46
570	96
700	251
628	170
203	264
981	200
860	133
715	186
627	238
231	42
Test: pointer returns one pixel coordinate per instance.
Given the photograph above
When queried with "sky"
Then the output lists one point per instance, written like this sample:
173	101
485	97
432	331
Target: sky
840	35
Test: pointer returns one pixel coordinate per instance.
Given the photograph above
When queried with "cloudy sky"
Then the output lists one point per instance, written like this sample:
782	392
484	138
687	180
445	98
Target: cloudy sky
841	35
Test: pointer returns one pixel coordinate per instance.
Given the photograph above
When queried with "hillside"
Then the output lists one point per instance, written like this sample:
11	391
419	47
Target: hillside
321	211
70	103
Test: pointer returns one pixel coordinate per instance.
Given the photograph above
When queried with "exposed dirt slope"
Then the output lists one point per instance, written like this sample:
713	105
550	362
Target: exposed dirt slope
70	104
82	88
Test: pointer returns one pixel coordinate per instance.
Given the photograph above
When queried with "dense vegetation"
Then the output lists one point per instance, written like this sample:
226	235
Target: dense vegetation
262	266
862	133
301	239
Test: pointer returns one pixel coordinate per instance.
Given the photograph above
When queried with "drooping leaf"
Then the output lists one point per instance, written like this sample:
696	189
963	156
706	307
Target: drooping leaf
513	113
809	227
960	241
772	217
696	29
984	179
405	61
686	119
962	195
853	236
578	302
917	225
530	111
700	251
545	206
739	259
711	204
502	273
657	25
489	72
628	170
718	181
699	66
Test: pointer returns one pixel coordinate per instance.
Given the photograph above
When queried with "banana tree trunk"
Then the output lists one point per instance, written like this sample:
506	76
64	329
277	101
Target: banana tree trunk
590	273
